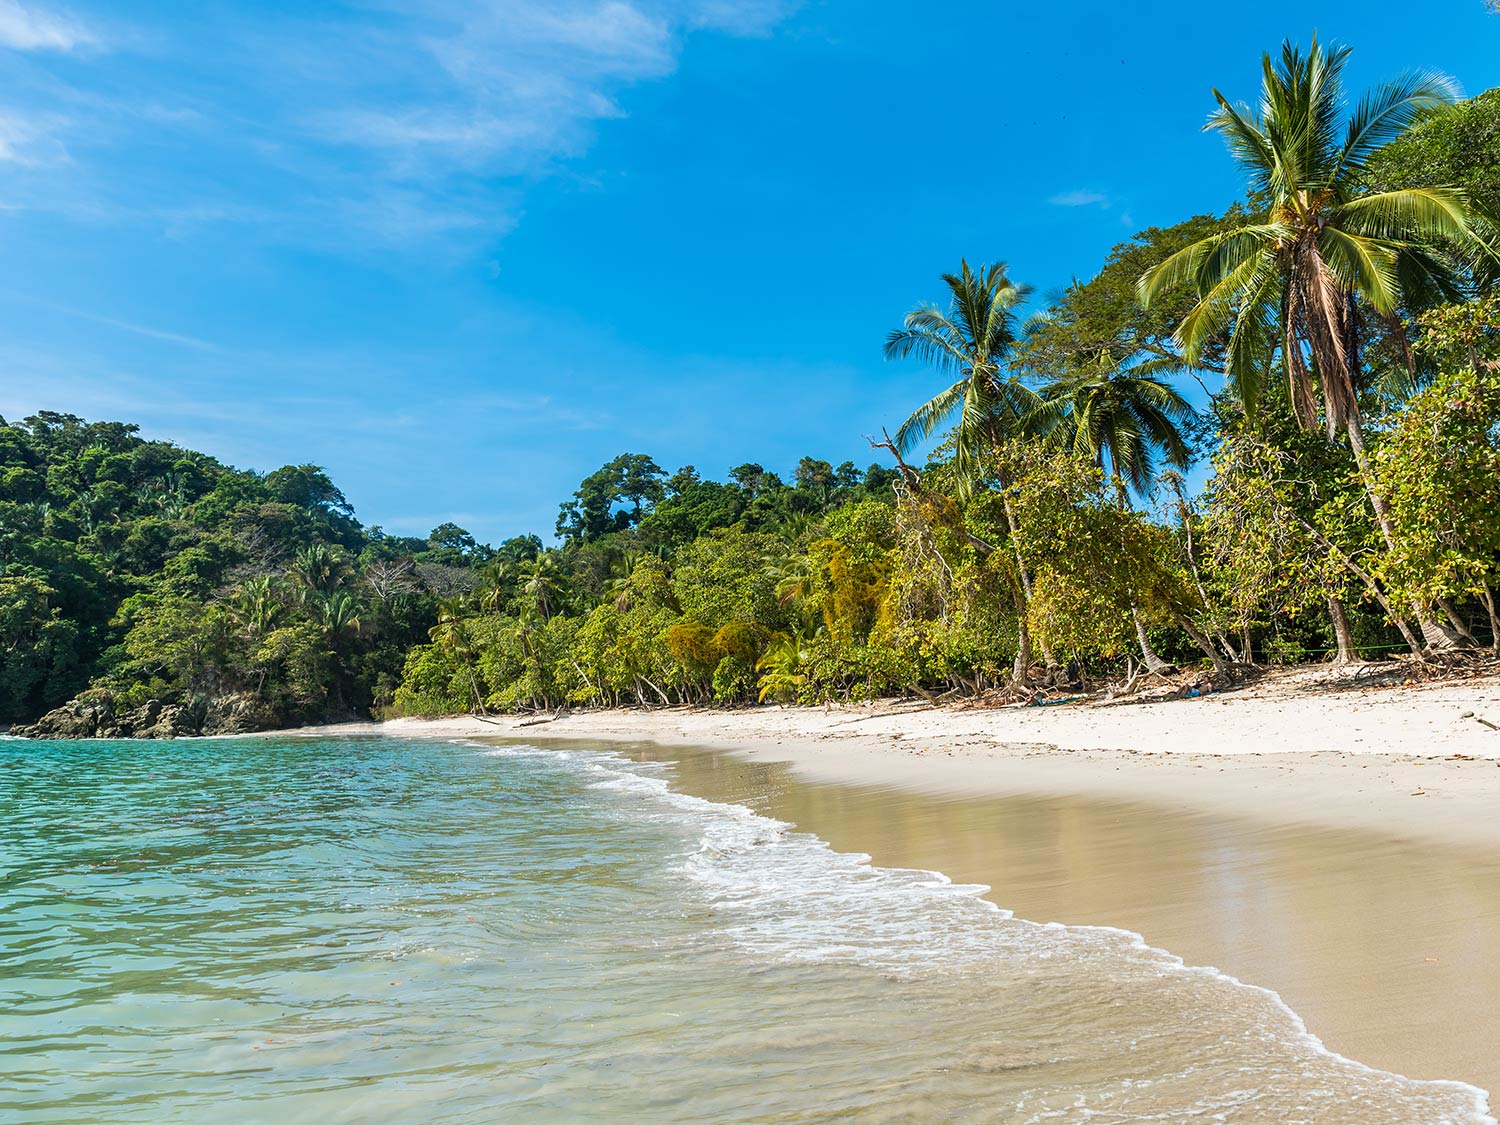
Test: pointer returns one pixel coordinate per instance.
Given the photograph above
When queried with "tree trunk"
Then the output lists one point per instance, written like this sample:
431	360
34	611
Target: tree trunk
1435	635
1015	543
1456	621
1222	672
1154	662
1020	674
1487	596
1369	582
1342	633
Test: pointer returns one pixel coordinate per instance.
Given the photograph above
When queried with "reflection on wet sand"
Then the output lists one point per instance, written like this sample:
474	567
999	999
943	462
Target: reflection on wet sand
1389	949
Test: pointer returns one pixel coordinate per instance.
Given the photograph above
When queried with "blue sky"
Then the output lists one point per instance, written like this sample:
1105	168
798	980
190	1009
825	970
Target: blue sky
461	253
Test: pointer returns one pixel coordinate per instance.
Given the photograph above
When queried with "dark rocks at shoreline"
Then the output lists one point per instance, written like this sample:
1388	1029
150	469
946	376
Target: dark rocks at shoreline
96	714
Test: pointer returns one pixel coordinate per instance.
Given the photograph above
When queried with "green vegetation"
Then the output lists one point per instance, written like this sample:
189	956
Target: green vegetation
1342	322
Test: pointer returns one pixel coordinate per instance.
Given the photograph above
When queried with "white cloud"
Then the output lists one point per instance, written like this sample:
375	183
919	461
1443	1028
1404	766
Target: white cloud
145	330
29	28
384	124
28	140
1080	198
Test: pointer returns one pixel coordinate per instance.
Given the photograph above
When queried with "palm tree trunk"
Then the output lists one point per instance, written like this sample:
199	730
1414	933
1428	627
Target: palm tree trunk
1487	596
474	687
1222	673
1015	543
1020	674
1435	636
1154	662
1342	633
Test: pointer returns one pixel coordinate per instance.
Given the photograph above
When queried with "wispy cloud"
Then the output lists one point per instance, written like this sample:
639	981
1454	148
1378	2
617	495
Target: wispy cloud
1080	198
391	123
144	330
29	27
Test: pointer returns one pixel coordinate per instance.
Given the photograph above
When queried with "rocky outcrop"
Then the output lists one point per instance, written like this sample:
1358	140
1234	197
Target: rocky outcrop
96	714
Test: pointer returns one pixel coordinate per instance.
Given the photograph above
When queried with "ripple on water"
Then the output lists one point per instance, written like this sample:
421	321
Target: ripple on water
328	930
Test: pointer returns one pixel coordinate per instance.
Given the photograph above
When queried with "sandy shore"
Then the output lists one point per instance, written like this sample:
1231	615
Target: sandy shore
1415	761
1336	842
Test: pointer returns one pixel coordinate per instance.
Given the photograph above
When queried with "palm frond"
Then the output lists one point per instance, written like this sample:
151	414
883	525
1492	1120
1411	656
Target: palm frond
927	418
1408	214
1387	111
1360	265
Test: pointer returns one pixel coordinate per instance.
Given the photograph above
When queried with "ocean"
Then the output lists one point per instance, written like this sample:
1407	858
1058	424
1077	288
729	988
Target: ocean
303	929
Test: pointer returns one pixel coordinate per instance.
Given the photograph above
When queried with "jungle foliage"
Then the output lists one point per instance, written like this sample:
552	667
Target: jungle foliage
1321	362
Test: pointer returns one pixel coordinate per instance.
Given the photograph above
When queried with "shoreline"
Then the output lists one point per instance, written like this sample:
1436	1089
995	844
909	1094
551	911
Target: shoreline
1410	761
1337	847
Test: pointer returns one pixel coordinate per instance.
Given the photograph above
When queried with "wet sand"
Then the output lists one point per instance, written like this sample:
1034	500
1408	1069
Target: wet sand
1339	844
1388	948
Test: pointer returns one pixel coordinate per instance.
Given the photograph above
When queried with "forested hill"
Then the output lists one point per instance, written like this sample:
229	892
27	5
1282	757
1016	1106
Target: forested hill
155	591
1343	319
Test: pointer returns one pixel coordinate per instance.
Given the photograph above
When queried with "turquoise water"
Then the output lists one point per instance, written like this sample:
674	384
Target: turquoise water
322	930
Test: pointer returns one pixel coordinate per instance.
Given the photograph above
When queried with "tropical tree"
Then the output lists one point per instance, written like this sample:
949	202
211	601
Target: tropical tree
451	634
972	340
1326	249
259	605
542	584
1125	421
497	583
1328	254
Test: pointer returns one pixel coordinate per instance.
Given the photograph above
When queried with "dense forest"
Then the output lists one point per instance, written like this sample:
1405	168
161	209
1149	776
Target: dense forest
1338	329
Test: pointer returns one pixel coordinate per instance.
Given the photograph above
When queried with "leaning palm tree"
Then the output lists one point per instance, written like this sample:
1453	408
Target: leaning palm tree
1126	421
451	634
1327	255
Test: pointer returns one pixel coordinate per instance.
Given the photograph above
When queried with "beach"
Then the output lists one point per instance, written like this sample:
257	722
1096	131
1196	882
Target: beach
1335	843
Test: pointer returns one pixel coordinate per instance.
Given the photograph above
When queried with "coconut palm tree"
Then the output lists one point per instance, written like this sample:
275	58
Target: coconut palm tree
1327	256
451	634
1327	252
1125	420
497	583
542	582
972	340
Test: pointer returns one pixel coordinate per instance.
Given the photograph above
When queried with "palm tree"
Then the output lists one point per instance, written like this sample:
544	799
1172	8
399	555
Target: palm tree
318	569
259	605
971	340
782	667
339	615
1327	253
542	583
1298	279
497	581
451	634
1124	420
